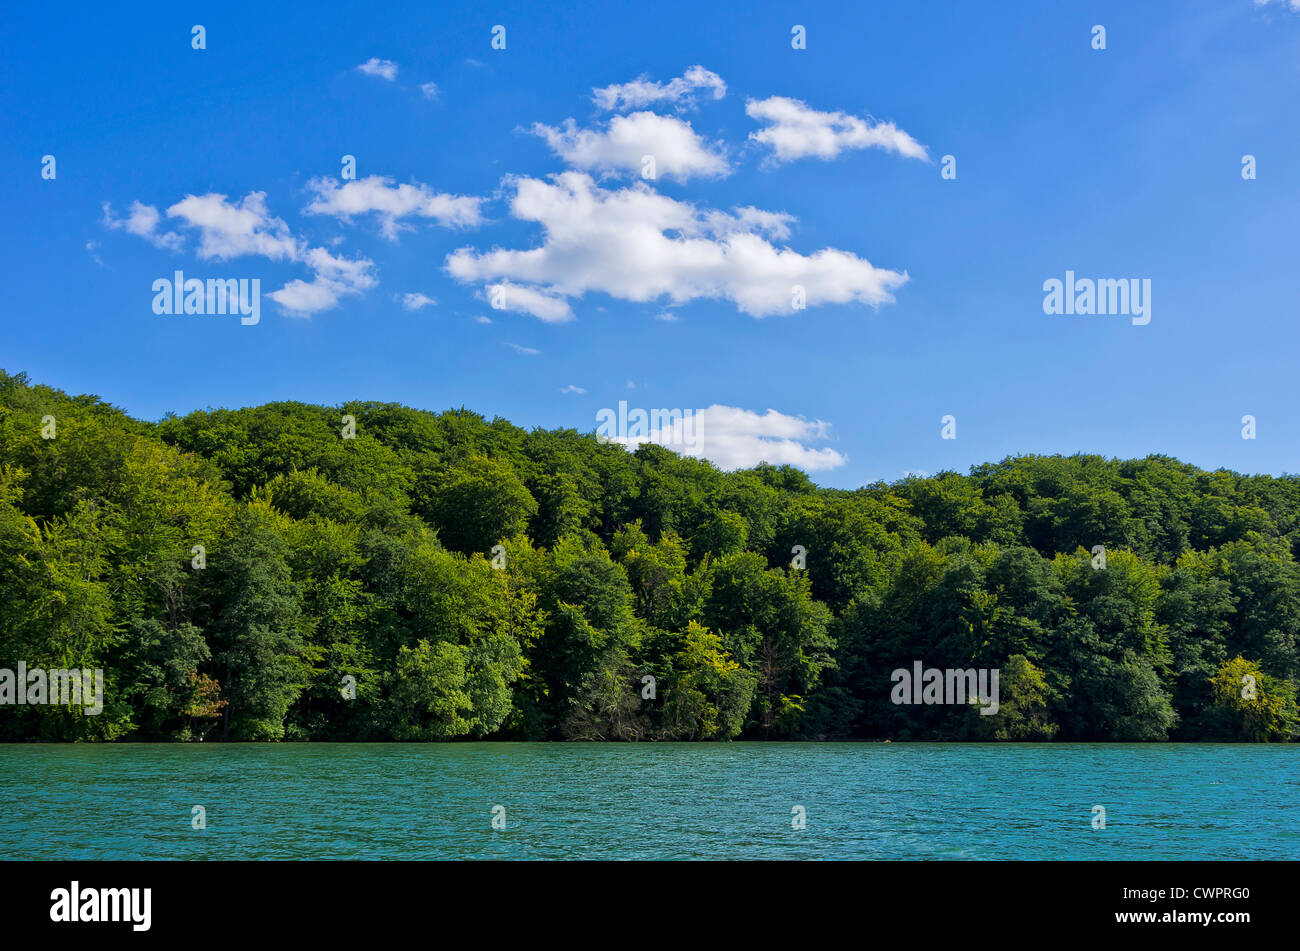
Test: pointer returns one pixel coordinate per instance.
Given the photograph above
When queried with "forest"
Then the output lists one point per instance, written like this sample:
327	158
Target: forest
283	573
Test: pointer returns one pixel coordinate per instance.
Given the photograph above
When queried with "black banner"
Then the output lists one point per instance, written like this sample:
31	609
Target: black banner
977	902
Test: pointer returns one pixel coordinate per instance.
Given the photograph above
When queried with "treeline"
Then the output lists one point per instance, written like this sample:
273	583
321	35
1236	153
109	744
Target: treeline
254	575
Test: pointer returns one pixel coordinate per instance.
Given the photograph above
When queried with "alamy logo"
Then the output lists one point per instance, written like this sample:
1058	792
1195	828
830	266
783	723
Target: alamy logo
677	428
103	904
1103	297
35	687
954	687
214	297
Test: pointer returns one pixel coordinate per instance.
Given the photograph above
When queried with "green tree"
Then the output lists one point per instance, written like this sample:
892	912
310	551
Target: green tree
477	504
259	650
708	693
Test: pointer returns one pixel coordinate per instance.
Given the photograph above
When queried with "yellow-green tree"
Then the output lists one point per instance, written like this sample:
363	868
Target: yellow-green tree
1248	704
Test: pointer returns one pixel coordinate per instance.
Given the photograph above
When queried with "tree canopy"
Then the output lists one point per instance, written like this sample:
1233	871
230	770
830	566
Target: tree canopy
271	573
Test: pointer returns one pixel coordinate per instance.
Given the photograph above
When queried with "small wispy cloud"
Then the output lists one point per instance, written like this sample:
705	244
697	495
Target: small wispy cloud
142	221
679	92
390	202
429	90
530	300
795	130
379	68
526	351
416	300
573	389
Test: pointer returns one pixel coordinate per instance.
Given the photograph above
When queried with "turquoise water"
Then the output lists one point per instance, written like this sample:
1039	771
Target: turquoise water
650	801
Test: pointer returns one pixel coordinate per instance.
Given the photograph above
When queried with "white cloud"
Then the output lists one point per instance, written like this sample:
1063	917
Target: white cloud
798	131
303	298
335	278
747	218
352	273
526	351
622	147
641	91
483	320
379	68
245	227
416	300
573	389
92	247
667	316
230	230
735	438
142	221
430	90
1293	4
638	245
530	300
378	194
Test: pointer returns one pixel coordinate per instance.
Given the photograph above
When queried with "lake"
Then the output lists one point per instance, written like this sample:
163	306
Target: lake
650	801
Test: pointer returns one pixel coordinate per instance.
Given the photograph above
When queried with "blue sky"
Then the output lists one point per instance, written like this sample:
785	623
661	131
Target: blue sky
1117	163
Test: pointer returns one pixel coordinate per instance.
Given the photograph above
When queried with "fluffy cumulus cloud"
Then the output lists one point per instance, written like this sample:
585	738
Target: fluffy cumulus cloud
390	203
234	229
638	245
627	241
734	438
624	146
243	228
641	92
335	278
379	68
796	131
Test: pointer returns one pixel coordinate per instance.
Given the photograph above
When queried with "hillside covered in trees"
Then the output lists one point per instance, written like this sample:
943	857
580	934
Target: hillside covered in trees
252	575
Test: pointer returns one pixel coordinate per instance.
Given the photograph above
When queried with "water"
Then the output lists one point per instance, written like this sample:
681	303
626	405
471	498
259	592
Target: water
650	801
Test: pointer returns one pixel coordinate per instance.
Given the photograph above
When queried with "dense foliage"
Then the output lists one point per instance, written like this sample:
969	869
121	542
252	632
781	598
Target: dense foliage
328	562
